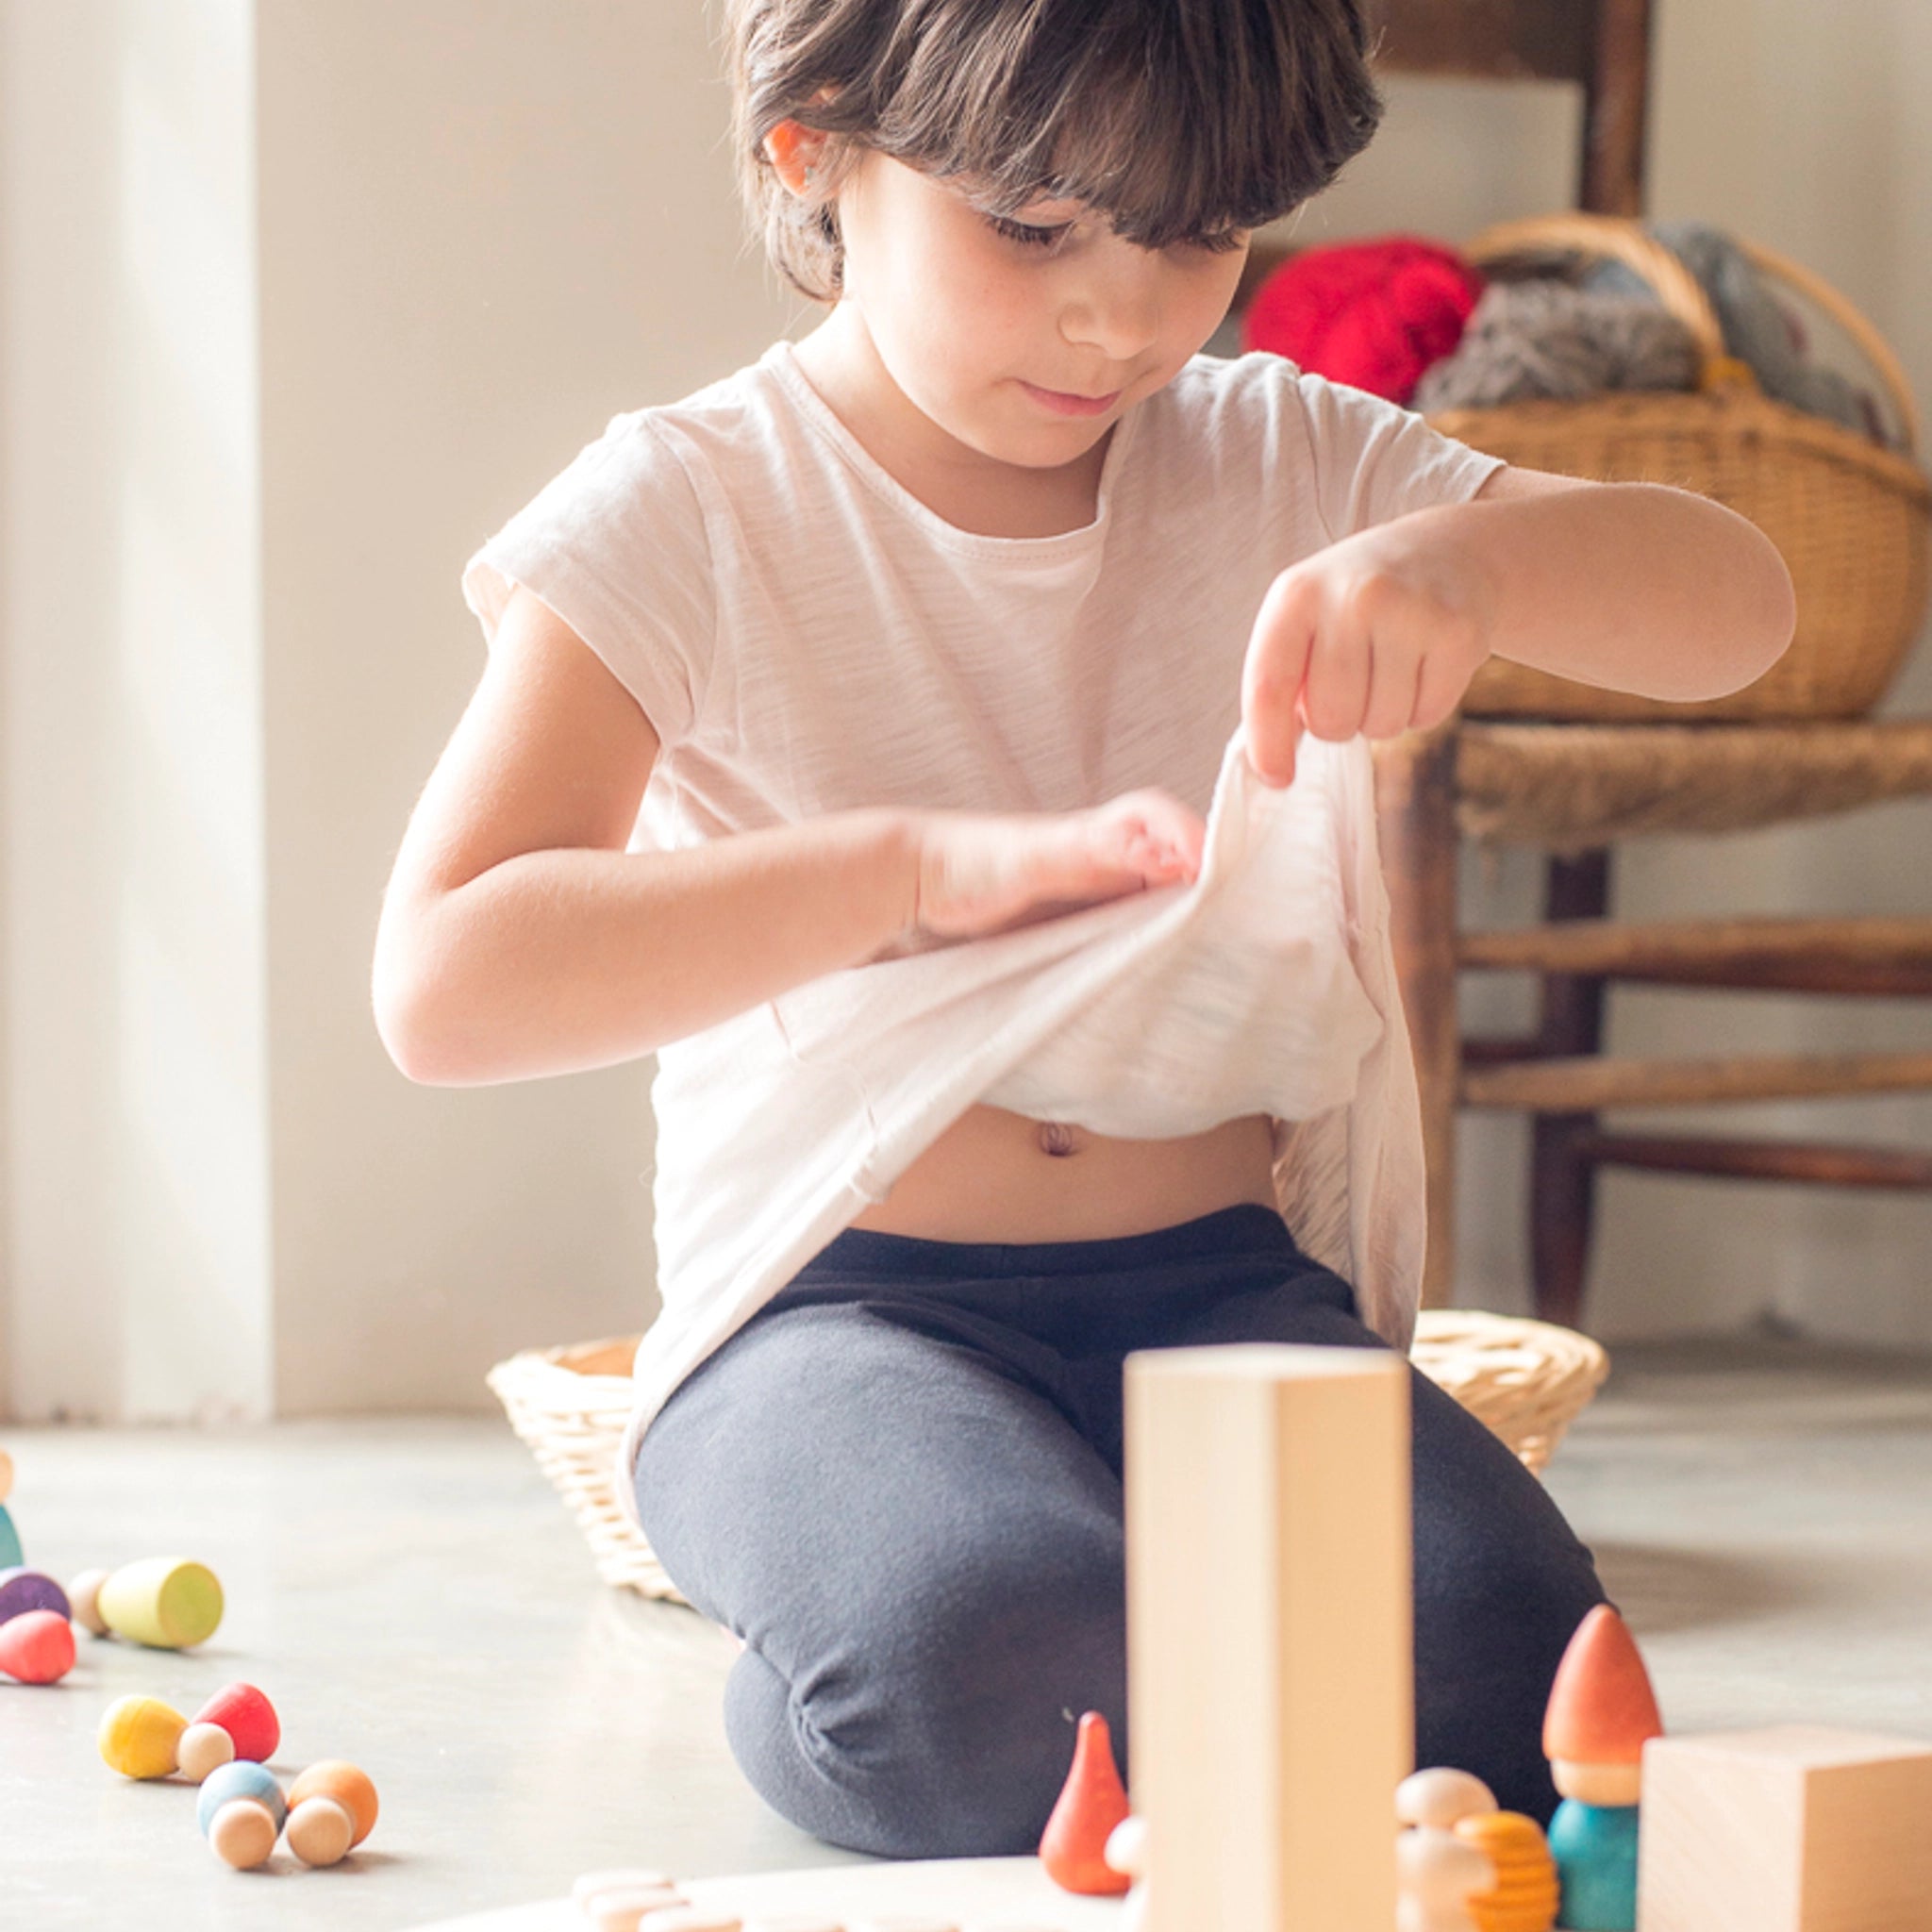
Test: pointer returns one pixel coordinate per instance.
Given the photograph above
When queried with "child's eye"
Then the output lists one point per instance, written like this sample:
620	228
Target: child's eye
1026	233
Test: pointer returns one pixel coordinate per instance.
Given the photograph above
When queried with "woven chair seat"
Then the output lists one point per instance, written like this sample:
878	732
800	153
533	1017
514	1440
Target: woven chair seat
1571	788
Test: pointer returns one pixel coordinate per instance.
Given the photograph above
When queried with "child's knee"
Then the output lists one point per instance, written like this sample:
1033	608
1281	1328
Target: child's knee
945	1732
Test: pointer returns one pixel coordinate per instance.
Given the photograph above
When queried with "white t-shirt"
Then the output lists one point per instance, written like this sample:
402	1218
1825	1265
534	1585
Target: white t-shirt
806	636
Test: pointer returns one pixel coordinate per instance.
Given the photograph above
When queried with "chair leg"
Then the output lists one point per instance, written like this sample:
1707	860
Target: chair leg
1415	800
1562	1179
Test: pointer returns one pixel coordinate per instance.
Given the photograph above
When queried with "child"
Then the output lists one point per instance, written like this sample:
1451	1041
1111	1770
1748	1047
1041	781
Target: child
846	740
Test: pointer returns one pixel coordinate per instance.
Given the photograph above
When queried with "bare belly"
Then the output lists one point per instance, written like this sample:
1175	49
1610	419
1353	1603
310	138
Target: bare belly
999	1176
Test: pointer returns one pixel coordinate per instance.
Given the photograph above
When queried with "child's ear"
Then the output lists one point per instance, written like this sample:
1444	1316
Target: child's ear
794	153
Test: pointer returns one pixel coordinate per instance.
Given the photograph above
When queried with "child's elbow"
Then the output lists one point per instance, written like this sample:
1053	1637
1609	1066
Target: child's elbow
410	1013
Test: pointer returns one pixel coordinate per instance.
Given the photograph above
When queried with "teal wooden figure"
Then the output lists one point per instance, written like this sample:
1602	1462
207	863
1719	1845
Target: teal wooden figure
1595	1850
10	1558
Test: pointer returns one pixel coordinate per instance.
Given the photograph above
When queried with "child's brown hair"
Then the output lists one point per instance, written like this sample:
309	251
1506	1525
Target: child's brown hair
1180	120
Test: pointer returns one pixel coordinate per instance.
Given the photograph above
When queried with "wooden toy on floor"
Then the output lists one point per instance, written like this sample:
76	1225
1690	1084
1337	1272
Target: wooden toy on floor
343	1784
36	1647
1437	1872
1526	1892
622	1907
1795	1828
167	1602
240	1811
10	1552
140	1737
84	1594
23	1590
1270	1649
247	1717
1602	1713
1092	1803
203	1748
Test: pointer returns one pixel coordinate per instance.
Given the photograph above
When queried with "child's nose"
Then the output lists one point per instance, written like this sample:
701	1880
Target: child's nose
1116	307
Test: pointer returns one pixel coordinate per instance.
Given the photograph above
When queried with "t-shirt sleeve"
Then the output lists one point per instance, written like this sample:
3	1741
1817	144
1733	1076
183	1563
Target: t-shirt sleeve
1375	460
616	545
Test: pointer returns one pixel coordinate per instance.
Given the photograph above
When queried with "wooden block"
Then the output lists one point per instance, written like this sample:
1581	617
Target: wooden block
1798	1828
1269	1633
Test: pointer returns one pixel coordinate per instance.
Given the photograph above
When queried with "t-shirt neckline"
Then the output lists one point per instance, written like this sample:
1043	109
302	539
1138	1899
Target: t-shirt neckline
782	360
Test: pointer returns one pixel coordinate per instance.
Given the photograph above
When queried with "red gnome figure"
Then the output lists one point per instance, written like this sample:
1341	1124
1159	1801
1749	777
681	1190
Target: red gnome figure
1091	1802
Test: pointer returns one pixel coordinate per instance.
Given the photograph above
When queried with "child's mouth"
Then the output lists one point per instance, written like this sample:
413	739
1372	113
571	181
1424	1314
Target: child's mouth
1058	401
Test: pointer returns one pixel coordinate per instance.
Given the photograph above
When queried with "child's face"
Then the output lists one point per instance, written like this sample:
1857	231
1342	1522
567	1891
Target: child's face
982	328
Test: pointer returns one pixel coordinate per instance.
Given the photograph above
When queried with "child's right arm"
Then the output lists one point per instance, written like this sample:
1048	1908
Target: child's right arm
519	939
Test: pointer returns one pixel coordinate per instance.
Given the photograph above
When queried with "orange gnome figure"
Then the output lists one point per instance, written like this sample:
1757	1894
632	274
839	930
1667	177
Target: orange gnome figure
1092	1803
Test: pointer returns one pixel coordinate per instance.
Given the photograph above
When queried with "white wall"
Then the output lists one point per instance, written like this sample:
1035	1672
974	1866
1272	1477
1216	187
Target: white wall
298	299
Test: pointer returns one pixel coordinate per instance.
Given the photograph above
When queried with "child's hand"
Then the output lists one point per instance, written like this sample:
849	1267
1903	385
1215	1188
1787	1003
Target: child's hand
1378	634
981	874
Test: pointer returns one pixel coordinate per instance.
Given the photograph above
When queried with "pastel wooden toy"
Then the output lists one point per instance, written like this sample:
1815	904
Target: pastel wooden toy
1441	1872
167	1602
1442	1797
1092	1803
1126	1847
625	1910
1526	1893
243	1834
36	1647
6	1476
1273	1713
1797	1828
690	1919
203	1748
11	1555
137	1737
1601	1713
320	1831
23	1590
1595	1850
622	1878
332	1777
83	1595
248	1718
240	1779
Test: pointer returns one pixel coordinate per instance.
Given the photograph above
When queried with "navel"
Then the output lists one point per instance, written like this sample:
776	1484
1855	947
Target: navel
1055	1137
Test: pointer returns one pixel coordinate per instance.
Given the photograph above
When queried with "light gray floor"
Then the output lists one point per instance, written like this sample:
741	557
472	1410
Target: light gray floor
413	1597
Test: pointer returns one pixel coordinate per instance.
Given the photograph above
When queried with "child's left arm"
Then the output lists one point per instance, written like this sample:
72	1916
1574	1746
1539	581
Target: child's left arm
1635	586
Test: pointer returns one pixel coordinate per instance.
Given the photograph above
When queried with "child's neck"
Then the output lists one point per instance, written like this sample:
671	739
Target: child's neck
970	490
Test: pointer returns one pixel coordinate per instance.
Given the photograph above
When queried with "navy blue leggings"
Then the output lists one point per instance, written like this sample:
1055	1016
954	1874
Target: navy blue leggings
900	1483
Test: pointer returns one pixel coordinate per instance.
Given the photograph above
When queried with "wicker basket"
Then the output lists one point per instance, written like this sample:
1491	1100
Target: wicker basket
1853	521
1527	1380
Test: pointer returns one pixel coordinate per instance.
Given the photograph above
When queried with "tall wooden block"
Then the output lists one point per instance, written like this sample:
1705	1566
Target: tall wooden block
1269	1655
1798	1828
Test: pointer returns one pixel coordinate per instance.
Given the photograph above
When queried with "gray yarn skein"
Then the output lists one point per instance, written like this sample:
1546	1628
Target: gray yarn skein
1543	339
1756	329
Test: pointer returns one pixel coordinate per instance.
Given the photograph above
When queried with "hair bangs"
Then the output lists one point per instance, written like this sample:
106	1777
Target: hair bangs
1179	122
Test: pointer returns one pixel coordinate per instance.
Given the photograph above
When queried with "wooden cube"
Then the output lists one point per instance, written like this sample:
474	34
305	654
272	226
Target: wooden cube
1797	1828
1270	1659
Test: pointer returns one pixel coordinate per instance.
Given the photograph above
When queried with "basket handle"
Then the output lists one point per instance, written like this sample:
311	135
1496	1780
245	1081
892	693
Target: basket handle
1683	295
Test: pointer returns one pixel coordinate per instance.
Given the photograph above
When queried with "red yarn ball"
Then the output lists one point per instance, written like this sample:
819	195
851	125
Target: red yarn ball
1372	314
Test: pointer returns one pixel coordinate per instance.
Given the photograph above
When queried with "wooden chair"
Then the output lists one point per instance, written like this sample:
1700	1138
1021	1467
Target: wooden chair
1573	791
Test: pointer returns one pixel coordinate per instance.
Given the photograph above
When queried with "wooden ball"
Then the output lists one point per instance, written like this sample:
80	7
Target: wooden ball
620	1878
248	1718
334	1777
1126	1847
83	1596
1439	1796
1440	1869
624	1908
318	1831
36	1647
138	1736
240	1778
1609	1787
203	1748
243	1834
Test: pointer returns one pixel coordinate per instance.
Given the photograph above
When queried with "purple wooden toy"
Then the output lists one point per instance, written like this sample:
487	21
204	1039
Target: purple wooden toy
28	1590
